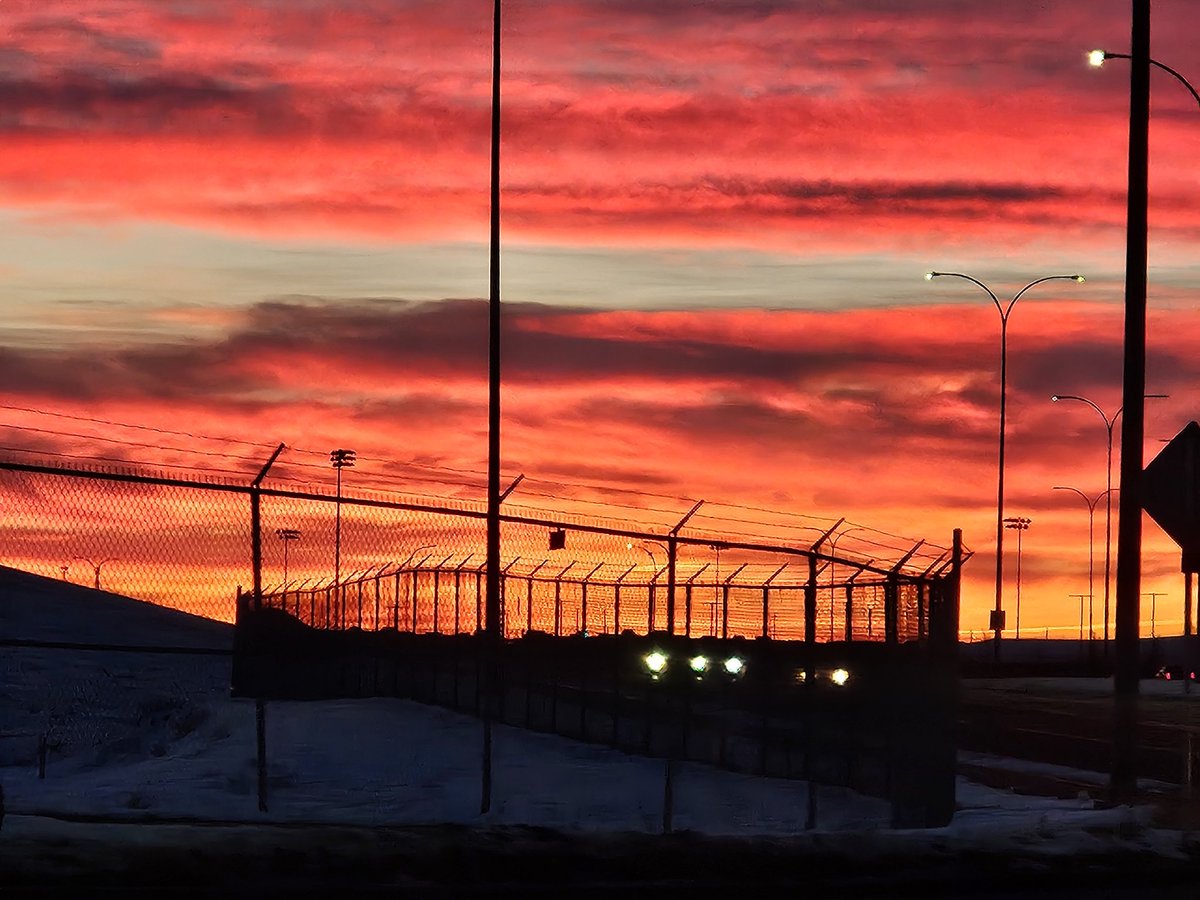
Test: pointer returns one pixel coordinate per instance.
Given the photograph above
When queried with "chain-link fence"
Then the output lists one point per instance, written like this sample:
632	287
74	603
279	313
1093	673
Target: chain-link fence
354	559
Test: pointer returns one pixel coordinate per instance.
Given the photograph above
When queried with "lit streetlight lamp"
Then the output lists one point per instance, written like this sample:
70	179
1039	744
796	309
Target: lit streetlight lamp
997	622
1109	423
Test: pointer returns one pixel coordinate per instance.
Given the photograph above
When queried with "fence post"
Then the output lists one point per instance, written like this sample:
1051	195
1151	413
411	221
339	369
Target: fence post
260	707
672	553
672	549
414	574
437	583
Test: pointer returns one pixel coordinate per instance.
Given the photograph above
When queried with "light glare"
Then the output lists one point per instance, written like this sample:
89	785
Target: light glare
1095	58
734	665
839	677
698	663
656	662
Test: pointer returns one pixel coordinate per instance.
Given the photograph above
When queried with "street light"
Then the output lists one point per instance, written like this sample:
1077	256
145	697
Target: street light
997	613
1020	524
1091	505
1096	59
96	566
339	459
1109	423
641	545
832	552
1153	595
716	600
286	535
1123	781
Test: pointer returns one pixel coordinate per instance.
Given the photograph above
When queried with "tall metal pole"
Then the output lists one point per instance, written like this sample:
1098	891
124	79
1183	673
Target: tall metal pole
1123	781
997	611
1108	530
492	598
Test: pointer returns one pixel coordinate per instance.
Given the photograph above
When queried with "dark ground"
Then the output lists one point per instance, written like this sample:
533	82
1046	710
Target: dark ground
39	858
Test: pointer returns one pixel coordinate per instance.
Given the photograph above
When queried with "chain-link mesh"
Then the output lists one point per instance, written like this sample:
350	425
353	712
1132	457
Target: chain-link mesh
185	547
374	561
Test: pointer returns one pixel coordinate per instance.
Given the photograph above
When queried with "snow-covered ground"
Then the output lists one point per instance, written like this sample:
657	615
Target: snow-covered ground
139	735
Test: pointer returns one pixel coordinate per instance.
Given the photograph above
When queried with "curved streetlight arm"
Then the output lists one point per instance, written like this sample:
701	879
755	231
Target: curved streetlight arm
1086	499
931	275
1004	310
1108	423
1154	62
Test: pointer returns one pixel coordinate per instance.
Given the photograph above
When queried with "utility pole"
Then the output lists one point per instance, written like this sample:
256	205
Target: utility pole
1123	778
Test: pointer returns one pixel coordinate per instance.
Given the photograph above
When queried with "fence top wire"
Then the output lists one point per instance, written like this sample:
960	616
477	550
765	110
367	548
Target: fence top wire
718	525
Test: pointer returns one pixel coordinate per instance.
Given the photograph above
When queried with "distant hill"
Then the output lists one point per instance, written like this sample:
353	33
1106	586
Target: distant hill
33	607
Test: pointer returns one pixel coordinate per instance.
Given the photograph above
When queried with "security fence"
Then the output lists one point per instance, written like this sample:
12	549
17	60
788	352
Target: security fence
336	567
373	561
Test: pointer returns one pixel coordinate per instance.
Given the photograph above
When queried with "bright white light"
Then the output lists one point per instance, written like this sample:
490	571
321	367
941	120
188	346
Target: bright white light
1095	58
1079	278
656	662
839	677
698	663
929	276
734	665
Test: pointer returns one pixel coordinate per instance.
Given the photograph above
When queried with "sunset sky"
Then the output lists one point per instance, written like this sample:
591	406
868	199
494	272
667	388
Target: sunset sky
267	219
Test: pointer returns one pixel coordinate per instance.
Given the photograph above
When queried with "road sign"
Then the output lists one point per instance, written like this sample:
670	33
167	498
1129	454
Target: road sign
1171	492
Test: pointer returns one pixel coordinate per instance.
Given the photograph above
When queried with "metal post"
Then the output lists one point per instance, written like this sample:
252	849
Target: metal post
1123	783
672	550
492	634
672	547
617	600
1187	604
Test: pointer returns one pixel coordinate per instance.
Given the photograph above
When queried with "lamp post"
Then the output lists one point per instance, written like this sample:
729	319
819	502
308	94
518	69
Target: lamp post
1020	524
96	566
286	535
339	459
716	600
1153	595
1005	311
1109	423
641	545
833	541
1091	505
1080	597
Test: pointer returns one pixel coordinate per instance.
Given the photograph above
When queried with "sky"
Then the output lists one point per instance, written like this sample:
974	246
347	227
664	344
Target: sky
268	221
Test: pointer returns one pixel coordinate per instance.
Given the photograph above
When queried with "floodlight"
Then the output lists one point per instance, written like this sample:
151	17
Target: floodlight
839	677
735	665
698	664
656	662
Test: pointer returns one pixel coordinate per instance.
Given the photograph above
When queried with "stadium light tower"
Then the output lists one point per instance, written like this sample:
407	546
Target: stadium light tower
339	459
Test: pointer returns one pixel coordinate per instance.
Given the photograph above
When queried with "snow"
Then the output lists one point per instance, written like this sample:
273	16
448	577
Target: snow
153	735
